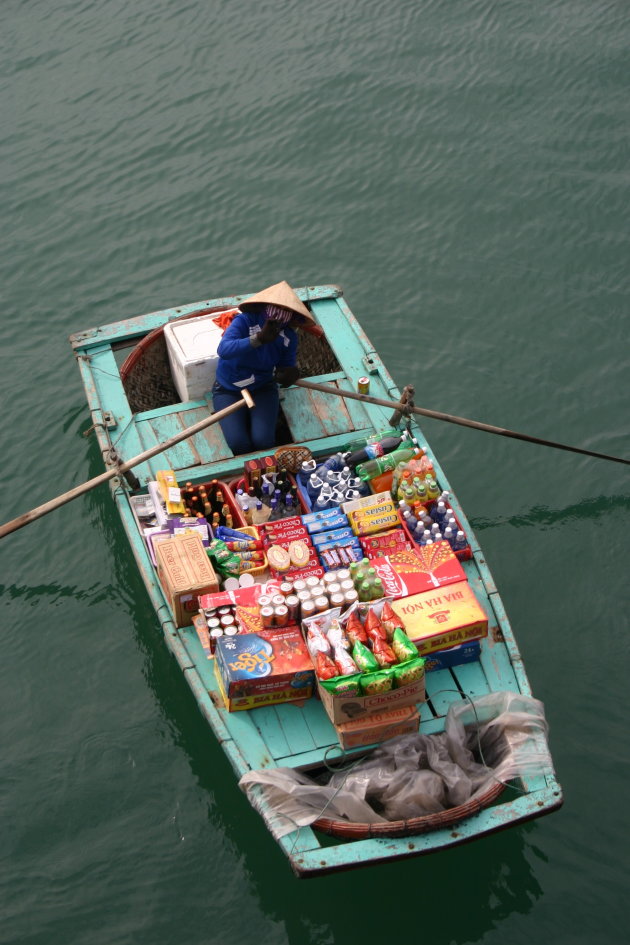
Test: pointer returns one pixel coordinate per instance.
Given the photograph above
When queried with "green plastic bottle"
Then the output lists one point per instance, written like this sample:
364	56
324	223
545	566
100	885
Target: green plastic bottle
382	464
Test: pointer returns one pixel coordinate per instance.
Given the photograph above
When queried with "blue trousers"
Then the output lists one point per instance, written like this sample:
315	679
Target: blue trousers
246	430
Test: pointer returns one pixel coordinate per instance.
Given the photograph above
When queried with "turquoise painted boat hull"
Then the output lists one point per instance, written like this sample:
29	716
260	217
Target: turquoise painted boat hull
287	735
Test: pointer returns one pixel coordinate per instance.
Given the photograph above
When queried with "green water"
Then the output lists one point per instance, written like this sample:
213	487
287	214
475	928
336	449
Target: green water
461	170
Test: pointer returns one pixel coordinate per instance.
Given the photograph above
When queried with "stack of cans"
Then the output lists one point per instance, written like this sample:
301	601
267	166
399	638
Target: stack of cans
303	598
221	622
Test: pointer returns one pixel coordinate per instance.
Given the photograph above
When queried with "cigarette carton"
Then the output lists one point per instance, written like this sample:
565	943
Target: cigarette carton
442	618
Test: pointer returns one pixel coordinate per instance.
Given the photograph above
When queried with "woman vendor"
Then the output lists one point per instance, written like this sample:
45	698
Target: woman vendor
258	351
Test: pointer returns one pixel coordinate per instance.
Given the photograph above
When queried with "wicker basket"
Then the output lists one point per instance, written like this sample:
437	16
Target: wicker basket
408	828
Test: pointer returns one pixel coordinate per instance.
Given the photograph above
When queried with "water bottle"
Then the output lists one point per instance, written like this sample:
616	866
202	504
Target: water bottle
336	462
435	528
321	502
440	511
460	541
449	536
241	497
308	467
426	537
372	450
410	520
332	476
351	495
451	523
314	486
345	474
437	536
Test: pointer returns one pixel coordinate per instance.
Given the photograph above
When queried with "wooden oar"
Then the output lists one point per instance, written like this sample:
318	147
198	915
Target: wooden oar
462	421
122	468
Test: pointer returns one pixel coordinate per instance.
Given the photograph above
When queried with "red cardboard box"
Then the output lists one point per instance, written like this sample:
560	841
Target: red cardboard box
419	569
378	727
442	618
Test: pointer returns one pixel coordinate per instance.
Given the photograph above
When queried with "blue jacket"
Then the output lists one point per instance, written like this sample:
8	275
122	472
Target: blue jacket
240	365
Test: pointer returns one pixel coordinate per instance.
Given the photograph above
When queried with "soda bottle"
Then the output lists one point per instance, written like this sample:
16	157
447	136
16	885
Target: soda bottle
372	450
365	591
410	520
335	462
433	490
440	511
374	467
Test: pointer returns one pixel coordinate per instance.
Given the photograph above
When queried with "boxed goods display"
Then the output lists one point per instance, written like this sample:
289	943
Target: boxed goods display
364	662
457	656
411	572
442	618
185	573
377	727
263	668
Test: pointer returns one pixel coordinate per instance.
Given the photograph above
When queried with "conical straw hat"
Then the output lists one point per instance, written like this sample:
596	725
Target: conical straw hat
279	294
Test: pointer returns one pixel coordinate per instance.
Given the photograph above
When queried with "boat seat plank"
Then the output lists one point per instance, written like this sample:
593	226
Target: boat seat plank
271	731
295	728
471	679
183	454
312	415
320	726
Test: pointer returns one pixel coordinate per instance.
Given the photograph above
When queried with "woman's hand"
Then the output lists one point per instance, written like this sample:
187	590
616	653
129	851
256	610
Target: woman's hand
285	376
269	332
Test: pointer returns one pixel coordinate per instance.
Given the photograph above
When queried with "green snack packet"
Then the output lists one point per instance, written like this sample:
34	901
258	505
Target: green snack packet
374	683
364	658
402	646
342	685
225	561
408	672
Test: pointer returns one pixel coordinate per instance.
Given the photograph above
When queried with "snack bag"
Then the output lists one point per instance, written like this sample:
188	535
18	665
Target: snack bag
344	662
389	620
383	652
354	629
343	685
364	659
316	642
226	562
408	672
402	646
374	626
324	666
373	684
336	636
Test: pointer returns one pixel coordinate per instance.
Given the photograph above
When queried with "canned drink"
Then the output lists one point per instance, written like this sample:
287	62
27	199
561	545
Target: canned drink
292	602
280	615
224	611
347	585
227	621
299	585
308	608
331	577
267	617
213	623
312	582
210	612
286	588
264	600
337	600
350	597
277	600
333	588
215	635
363	385
230	632
321	604
344	574
304	596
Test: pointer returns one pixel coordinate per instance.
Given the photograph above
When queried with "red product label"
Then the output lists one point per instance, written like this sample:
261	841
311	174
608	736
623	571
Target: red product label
410	572
281	525
285	540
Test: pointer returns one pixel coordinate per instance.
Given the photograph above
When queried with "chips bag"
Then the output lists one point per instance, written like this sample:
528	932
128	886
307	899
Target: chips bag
383	652
316	643
402	646
364	659
389	620
324	666
354	629
408	672
344	662
342	685
375	683
336	636
373	625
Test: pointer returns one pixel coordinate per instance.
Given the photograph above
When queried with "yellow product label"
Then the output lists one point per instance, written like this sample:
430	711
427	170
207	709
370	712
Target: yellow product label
442	618
170	492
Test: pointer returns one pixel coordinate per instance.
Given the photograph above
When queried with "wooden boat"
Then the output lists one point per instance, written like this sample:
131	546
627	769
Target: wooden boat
134	406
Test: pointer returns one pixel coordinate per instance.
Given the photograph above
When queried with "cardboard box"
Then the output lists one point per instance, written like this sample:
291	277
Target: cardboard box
456	656
420	569
264	668
185	573
442	618
378	727
352	708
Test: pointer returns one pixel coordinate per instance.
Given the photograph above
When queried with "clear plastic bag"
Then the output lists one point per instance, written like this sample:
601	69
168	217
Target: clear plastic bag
413	775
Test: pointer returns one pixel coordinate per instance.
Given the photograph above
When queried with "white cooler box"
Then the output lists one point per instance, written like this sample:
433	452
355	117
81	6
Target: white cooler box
192	351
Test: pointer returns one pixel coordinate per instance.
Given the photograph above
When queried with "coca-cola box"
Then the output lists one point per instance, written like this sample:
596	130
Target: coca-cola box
419	569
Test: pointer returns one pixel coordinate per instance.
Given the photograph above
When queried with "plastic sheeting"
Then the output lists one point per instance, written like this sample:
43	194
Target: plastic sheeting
501	736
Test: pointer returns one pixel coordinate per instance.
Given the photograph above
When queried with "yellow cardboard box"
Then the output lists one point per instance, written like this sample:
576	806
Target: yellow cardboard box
441	618
185	573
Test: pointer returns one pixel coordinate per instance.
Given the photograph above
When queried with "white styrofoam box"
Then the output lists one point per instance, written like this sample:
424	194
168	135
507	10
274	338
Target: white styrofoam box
192	351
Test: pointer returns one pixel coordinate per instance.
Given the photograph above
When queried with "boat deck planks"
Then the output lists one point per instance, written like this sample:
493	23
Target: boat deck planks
299	735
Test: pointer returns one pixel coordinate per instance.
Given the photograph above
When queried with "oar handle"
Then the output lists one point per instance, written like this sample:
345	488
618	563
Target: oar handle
121	468
461	421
